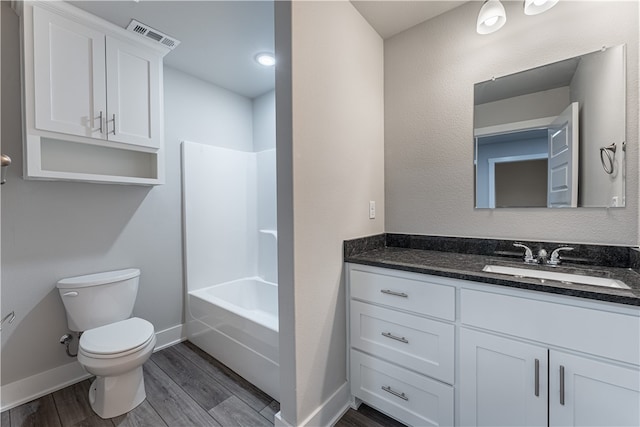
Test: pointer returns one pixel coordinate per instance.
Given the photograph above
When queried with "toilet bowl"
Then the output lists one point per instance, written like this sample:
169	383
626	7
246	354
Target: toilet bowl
115	354
113	346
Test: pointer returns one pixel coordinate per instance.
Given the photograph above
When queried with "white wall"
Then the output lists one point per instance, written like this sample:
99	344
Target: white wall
330	136
52	230
430	71
198	111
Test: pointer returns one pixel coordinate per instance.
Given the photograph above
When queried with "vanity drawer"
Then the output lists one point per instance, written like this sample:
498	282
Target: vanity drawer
407	396
417	343
588	330
419	296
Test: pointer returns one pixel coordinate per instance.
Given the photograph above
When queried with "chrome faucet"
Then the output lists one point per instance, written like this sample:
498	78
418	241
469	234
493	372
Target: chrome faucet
528	255
555	255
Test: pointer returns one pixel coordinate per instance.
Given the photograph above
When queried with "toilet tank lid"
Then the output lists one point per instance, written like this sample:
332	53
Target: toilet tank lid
98	278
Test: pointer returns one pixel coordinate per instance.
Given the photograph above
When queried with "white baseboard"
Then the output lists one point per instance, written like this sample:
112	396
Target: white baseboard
35	386
38	385
326	414
170	336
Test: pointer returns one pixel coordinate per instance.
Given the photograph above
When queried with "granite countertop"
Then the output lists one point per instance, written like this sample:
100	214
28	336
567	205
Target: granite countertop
466	266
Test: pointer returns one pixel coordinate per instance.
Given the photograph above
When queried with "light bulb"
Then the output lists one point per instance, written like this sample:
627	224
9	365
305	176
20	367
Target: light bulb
535	7
490	22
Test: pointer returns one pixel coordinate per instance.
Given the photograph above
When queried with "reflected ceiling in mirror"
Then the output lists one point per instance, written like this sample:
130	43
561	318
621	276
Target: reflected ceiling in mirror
553	136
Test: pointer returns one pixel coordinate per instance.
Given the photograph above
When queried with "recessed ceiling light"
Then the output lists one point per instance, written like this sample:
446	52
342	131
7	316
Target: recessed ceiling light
266	59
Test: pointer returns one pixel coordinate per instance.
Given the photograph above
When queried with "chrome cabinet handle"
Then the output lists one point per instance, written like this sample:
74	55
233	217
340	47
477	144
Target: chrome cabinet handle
390	292
562	385
395	393
100	118
537	378
393	337
114	124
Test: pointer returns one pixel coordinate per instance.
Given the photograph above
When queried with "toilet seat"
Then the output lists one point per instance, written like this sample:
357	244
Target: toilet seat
116	339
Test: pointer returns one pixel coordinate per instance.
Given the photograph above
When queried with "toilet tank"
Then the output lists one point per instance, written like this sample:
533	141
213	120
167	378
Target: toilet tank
98	299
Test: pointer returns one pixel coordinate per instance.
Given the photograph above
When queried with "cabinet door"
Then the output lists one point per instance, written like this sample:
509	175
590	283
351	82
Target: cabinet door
502	382
586	392
69	75
133	94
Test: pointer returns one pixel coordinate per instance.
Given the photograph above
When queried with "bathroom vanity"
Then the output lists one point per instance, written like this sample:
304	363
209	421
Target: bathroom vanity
434	340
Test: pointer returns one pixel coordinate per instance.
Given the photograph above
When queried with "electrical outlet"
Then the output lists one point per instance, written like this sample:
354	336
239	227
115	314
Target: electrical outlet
372	209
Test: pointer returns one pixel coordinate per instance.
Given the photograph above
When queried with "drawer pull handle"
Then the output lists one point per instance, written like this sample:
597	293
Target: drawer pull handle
395	393
537	378
390	292
393	337
562	385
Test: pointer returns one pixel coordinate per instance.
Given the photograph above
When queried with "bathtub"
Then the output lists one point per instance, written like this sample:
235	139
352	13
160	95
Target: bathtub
237	323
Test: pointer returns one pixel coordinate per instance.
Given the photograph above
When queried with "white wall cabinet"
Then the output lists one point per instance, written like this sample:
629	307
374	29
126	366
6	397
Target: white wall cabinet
92	98
508	357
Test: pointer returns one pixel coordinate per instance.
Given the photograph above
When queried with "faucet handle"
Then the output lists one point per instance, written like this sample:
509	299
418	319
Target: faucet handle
555	255
528	255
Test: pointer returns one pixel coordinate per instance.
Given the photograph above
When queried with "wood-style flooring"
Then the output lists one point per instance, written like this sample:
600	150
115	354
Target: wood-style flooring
186	387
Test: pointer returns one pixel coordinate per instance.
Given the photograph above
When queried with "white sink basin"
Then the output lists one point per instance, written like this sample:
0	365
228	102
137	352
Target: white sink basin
558	277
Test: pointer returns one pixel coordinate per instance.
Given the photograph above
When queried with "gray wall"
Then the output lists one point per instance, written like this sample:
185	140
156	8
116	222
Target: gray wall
52	230
430	71
601	123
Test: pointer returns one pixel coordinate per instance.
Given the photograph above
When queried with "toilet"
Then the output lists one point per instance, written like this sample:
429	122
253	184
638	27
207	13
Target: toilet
113	345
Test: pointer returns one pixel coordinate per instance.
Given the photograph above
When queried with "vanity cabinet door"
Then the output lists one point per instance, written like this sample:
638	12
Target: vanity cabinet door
587	392
502	381
69	75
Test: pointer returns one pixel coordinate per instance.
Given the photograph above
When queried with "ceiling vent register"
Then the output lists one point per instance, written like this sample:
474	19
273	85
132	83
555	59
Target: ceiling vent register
153	34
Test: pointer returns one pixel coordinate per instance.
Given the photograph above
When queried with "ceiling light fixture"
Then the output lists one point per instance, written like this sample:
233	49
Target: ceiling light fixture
534	7
266	59
491	17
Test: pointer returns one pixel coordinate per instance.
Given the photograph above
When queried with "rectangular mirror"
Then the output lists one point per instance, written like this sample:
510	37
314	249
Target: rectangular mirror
553	136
